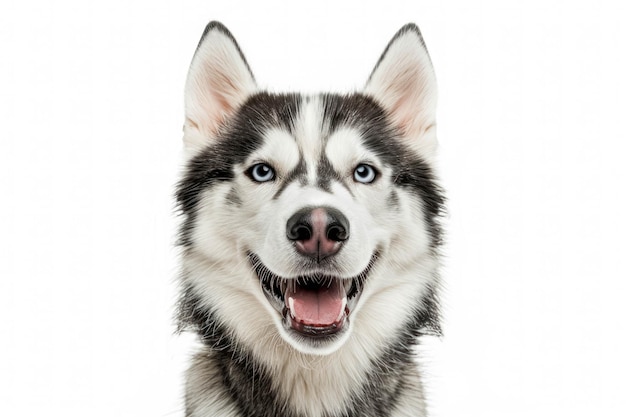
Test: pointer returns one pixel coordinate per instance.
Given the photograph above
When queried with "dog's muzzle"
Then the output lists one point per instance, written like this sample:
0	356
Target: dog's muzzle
317	303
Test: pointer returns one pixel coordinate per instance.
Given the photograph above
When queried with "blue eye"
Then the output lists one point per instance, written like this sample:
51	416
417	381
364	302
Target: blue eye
261	173
364	174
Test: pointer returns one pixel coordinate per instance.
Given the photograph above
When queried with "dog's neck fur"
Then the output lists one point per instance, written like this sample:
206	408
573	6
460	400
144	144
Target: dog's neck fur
300	385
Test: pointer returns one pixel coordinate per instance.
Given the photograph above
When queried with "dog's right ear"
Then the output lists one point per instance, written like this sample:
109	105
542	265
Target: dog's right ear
218	82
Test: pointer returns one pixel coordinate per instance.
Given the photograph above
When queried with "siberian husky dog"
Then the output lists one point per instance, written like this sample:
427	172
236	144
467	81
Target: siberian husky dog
310	233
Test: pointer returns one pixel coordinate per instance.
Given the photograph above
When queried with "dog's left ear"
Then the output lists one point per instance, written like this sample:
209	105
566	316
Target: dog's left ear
218	82
403	82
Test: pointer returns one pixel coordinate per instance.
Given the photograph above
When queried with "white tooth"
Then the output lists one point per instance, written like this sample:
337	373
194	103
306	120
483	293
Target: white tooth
291	301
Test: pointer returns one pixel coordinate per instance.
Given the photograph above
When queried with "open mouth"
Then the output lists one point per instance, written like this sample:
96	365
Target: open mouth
315	305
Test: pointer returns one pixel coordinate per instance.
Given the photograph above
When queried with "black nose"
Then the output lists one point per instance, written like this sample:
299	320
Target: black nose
318	232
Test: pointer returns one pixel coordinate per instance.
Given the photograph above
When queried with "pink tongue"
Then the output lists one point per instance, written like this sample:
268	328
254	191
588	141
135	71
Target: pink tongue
322	307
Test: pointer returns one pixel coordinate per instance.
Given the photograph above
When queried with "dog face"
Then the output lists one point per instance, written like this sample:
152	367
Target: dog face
312	219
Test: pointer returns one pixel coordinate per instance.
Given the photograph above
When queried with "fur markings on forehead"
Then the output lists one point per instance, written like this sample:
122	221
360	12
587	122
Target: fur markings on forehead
344	148
309	131
280	150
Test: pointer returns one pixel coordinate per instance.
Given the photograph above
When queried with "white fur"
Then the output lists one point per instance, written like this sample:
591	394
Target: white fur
309	131
279	150
345	151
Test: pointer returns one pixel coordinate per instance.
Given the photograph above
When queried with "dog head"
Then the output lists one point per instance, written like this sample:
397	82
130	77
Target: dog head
309	218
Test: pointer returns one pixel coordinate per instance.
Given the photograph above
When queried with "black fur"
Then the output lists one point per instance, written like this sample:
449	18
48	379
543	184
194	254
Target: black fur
326	174
233	197
298	174
409	170
241	137
236	141
392	200
249	386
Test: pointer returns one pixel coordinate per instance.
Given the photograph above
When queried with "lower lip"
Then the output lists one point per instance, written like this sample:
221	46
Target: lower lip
317	331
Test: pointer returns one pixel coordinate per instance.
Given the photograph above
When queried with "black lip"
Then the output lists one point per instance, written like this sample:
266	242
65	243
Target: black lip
274	288
276	285
316	331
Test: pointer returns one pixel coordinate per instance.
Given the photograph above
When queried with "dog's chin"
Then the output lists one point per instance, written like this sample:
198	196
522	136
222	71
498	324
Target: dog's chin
312	312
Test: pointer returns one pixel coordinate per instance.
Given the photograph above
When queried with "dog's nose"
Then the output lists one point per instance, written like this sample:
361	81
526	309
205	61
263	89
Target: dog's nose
318	232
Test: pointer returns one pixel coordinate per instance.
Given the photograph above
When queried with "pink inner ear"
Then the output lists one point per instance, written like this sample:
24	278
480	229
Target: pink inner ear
222	101
403	111
404	83
408	98
217	84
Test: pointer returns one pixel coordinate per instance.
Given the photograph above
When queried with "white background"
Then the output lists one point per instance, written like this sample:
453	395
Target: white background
531	126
